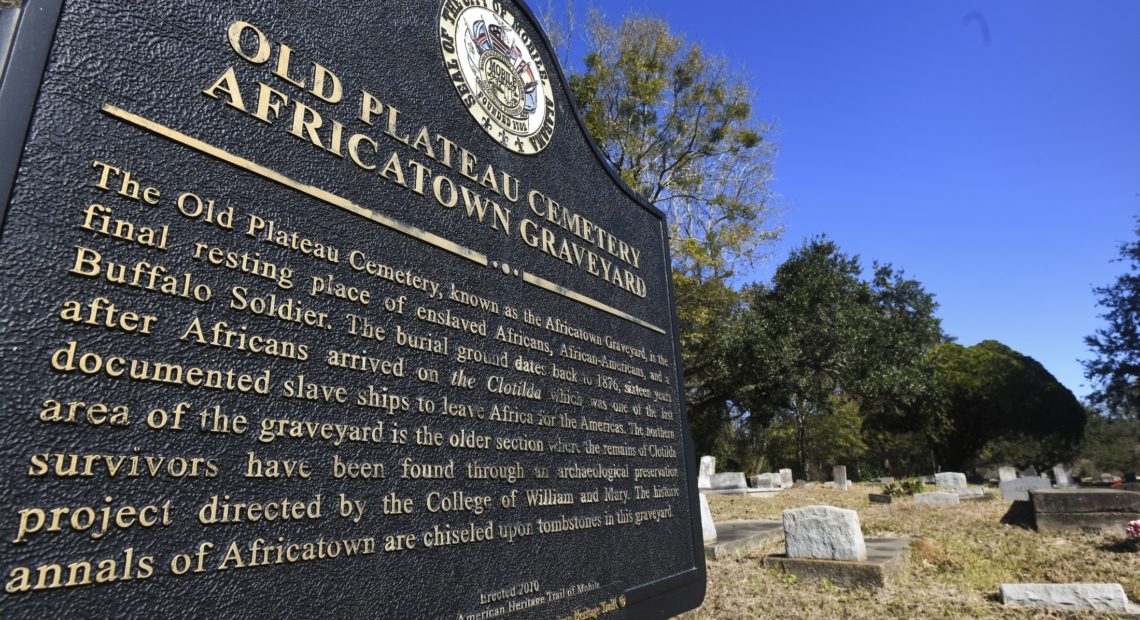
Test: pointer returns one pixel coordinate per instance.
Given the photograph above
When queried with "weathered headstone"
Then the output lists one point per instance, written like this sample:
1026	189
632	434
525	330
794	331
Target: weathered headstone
708	528
1072	597
1062	475
728	480
824	533
767	481
1006	473
1017	490
950	482
308	304
707	469
786	480
839	477
1029	472
940	498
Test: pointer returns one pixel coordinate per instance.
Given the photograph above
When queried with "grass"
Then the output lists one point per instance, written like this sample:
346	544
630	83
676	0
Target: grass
959	557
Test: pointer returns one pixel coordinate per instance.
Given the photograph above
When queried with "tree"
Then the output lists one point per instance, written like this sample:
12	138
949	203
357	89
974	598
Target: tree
1003	407
1115	369
677	125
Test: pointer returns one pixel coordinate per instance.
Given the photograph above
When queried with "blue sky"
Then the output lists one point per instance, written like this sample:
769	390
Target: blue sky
991	150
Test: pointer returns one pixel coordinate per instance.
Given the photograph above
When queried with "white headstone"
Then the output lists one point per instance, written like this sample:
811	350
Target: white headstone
1062	475
940	498
1007	473
707	525
839	476
708	468
950	481
1017	490
786	480
728	480
767	481
824	533
1072	597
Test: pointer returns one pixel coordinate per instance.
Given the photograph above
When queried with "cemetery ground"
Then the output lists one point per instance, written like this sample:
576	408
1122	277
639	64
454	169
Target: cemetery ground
959	557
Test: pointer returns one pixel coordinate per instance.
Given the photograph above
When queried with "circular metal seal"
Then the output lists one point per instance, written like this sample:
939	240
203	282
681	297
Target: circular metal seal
498	73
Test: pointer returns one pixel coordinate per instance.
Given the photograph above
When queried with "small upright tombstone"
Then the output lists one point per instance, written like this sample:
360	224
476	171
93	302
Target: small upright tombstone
708	468
786	480
1029	472
1007	473
950	481
1062	475
1017	490
839	476
729	480
766	481
824	533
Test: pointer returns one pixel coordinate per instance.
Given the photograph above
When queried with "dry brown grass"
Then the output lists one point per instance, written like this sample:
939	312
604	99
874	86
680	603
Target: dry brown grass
959	557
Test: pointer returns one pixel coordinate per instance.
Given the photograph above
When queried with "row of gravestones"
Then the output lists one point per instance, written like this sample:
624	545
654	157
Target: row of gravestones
826	541
709	480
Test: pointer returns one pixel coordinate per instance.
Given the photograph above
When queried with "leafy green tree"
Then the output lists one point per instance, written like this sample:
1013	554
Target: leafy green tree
1111	444
1003	407
896	385
1115	369
677	125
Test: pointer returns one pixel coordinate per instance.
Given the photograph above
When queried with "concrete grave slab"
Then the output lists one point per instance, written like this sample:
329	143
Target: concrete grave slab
742	535
937	498
1093	510
886	557
1074	597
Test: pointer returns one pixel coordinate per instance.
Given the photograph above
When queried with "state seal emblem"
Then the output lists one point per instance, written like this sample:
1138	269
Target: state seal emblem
498	73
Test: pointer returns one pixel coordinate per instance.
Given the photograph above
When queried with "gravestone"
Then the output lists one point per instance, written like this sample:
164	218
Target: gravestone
839	477
786	480
1017	490
728	480
1006	473
824	533
767	481
1029	472
1063	475
950	482
940	498
1071	597
708	528
707	469
327	310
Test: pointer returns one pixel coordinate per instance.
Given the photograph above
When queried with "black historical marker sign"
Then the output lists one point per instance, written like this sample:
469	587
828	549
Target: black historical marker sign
327	309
